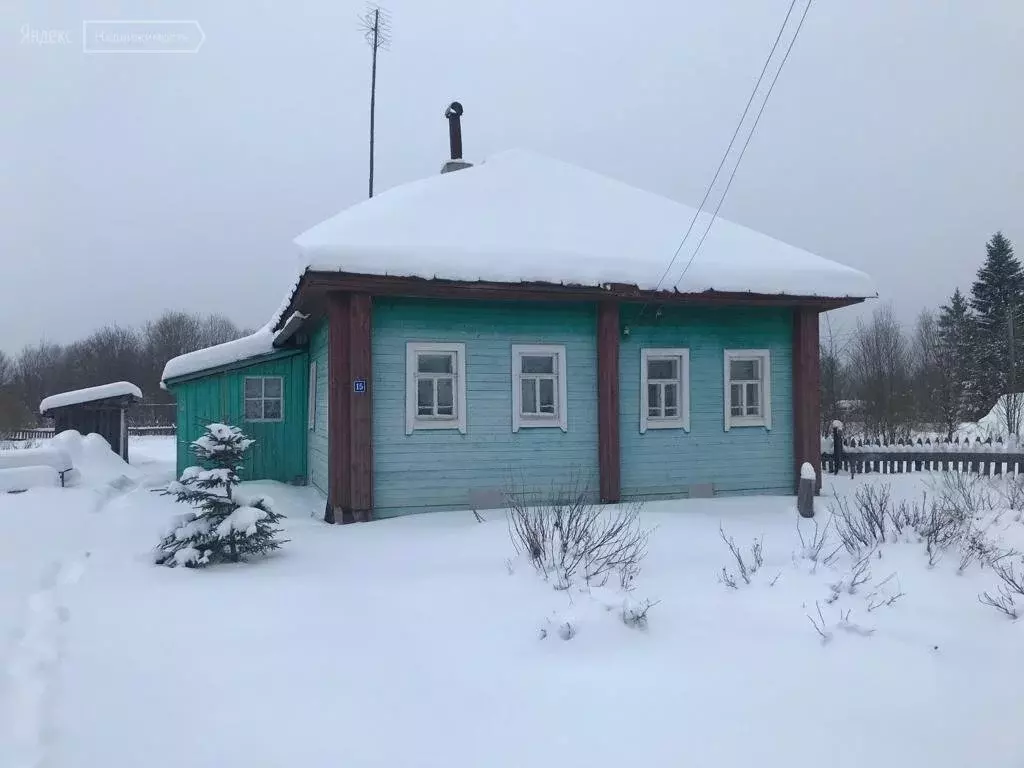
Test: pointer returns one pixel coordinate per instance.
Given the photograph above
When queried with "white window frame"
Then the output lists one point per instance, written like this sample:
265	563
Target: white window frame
560	418
311	415
414	422
765	419
682	420
262	398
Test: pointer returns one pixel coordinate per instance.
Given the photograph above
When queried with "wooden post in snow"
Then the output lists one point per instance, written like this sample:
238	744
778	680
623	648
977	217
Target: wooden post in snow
837	446
805	492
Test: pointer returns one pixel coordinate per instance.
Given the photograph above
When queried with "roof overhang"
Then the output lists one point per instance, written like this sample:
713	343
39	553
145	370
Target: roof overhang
309	297
277	354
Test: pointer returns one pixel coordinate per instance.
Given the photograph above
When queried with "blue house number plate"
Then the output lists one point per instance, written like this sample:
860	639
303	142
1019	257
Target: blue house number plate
359	386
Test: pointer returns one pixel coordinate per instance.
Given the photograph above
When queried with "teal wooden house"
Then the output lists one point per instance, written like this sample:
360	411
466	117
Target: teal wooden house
526	323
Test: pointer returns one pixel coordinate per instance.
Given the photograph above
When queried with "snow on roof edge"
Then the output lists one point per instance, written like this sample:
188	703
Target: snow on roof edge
88	395
254	345
314	266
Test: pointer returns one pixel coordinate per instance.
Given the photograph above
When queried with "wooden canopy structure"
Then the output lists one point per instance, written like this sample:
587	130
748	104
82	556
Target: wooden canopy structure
100	410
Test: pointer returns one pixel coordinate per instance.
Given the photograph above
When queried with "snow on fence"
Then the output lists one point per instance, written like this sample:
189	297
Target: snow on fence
43	433
986	457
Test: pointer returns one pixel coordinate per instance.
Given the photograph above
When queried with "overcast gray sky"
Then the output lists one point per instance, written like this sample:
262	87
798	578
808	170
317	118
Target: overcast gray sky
130	184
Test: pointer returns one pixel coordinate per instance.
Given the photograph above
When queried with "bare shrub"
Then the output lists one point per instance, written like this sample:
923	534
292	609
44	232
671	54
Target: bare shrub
975	548
1012	493
879	598
852	627
727	578
635	616
1004	565
860	574
1002	601
964	494
819	625
872	519
812	547
908	516
863	525
571	538
746	568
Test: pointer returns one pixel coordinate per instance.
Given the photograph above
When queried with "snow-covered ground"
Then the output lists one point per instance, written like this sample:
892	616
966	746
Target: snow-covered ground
416	642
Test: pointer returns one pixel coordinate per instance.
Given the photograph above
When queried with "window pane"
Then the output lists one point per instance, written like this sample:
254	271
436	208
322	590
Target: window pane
740	370
253	410
271	409
671	413
736	395
753	398
425	397
445	394
529	395
662	369
435	363
736	410
254	388
653	412
538	364
547	395
654	399
272	387
671	391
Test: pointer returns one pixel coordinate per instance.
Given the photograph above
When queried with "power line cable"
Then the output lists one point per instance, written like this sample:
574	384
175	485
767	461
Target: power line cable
728	149
745	144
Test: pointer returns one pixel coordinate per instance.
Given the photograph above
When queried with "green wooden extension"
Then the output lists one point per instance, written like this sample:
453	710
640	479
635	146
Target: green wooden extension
272	412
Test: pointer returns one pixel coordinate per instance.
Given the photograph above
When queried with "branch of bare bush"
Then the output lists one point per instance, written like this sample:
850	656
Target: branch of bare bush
746	569
571	538
819	625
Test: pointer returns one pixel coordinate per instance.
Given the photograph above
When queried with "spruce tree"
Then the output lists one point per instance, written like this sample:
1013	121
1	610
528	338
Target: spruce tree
226	526
997	292
956	362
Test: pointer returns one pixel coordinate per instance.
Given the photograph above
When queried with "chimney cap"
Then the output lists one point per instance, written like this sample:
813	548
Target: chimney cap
454	110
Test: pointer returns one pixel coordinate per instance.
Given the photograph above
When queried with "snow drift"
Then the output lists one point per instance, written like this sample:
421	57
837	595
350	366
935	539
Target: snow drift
94	461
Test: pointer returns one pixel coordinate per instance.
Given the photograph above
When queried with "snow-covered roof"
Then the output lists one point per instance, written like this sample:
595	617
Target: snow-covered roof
254	345
520	216
88	395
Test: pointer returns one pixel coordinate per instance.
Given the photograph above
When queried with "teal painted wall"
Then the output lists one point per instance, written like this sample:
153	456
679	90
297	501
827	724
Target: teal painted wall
317	437
280	449
435	470
664	462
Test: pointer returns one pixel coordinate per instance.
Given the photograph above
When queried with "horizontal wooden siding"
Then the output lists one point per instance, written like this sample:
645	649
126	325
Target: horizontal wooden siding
663	463
435	470
279	452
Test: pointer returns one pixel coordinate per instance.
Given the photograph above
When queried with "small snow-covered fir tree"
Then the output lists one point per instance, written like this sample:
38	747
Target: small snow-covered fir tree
226	526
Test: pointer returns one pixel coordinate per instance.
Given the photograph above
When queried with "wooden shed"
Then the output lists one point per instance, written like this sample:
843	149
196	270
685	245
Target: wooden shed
95	409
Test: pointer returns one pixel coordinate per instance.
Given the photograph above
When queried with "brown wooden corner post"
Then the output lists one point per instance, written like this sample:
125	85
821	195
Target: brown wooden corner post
806	392
339	393
361	410
608	401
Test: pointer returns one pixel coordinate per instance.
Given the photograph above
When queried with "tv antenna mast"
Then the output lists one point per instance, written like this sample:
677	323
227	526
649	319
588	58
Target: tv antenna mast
376	26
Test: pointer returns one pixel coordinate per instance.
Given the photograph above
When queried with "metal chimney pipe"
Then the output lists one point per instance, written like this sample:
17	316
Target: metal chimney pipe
454	113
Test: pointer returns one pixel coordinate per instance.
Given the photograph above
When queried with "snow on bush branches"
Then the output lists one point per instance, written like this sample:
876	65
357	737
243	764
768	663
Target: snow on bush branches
226	526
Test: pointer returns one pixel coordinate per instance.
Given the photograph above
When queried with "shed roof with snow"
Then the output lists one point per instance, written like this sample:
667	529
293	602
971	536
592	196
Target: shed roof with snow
99	410
116	393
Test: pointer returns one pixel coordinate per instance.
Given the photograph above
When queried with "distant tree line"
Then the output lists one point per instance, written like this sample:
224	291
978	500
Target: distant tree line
113	353
952	367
